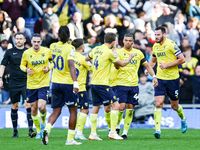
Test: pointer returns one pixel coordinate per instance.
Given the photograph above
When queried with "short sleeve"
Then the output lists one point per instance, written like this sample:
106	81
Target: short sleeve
71	56
175	49
5	59
113	56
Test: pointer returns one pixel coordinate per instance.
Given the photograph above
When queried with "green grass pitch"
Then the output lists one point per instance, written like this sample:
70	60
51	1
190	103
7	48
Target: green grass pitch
139	139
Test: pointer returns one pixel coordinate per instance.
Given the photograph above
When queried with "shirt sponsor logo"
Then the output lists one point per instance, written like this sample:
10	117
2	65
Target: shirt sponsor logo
39	62
161	54
133	62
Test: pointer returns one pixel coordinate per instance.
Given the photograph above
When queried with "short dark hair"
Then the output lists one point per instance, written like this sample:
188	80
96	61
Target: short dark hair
77	43
20	33
161	28
36	35
189	47
110	37
128	35
64	34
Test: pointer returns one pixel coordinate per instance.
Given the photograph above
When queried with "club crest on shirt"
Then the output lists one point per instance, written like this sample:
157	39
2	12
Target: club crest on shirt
43	54
176	47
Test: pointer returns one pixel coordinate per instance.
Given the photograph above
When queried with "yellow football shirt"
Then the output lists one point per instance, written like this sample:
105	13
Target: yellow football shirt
36	61
82	68
61	53
190	65
102	60
166	53
113	76
128	75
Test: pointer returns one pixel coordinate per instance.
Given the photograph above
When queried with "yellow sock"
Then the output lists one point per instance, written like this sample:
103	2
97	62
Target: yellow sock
120	115
43	117
157	117
70	135
36	121
128	119
114	119
48	127
93	119
81	121
107	116
77	120
180	112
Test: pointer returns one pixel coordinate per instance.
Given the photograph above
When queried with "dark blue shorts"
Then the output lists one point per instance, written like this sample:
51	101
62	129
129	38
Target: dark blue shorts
114	88
128	94
83	100
102	94
35	94
169	87
62	94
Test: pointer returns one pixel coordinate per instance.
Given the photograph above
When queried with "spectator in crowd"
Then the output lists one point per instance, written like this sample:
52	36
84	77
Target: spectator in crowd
190	62
14	9
95	28
92	43
31	11
155	14
20	27
149	6
148	55
6	75
194	10
169	13
76	26
169	34
49	17
3	45
147	101
62	11
191	32
179	27
149	33
114	9
197	49
140	21
139	36
184	43
5	24
186	90
51	36
127	27
195	83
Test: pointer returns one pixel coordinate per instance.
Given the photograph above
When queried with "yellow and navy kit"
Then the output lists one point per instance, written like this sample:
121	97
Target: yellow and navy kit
61	53
82	68
103	58
128	75
166	53
36	61
190	65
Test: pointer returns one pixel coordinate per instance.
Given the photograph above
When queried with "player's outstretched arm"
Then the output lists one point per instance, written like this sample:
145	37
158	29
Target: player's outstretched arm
2	69
152	73
73	75
120	63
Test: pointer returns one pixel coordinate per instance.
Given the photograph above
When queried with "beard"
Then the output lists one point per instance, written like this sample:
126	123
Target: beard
161	39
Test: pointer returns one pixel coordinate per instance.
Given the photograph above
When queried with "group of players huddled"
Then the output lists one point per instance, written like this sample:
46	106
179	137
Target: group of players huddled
114	82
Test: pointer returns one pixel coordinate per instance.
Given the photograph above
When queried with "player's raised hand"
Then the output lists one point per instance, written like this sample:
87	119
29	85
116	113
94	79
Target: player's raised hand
162	65
29	71
46	69
155	82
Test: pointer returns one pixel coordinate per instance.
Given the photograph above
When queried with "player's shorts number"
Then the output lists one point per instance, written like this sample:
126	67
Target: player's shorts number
56	63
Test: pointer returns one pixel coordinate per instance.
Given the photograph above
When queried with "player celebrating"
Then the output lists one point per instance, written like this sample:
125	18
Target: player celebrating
35	62
127	81
17	82
168	56
103	57
82	68
65	86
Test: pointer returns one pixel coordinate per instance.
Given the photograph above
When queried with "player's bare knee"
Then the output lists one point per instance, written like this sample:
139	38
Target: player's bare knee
15	106
174	107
